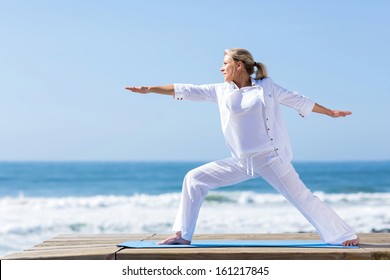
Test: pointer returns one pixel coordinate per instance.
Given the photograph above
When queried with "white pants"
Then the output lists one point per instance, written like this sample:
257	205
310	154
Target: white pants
281	175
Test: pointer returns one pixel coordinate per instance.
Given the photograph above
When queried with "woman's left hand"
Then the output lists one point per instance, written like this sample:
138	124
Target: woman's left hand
338	113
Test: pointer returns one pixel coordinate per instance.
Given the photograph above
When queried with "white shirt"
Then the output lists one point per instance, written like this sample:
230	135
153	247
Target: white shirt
251	117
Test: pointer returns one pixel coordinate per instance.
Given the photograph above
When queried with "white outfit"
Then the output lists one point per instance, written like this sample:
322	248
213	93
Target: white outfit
257	137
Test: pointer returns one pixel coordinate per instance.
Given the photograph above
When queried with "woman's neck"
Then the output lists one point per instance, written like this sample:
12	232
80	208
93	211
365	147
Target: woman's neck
243	81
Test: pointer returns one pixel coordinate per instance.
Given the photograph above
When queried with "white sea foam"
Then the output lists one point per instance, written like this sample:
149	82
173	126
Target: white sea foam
26	221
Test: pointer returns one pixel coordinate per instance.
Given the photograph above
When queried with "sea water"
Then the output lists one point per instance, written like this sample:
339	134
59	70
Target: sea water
40	200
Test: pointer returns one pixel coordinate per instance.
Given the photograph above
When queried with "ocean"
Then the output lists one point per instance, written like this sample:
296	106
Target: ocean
40	200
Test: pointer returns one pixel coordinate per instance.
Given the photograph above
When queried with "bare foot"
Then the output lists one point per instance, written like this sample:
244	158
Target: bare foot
174	239
352	242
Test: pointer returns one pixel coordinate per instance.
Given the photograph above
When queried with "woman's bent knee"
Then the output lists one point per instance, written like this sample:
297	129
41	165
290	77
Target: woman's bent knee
193	185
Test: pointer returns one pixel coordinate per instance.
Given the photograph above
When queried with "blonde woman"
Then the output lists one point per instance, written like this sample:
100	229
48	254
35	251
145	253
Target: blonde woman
255	133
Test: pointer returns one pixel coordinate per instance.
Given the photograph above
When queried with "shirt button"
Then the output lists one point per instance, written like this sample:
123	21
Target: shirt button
272	139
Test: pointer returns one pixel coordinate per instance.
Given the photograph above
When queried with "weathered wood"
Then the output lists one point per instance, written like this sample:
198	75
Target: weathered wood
98	247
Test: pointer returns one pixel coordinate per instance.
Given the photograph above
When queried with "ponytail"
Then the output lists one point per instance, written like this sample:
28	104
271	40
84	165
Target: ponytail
261	71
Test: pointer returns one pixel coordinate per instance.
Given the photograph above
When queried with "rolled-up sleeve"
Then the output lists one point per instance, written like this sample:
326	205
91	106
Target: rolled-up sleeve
307	107
293	99
195	92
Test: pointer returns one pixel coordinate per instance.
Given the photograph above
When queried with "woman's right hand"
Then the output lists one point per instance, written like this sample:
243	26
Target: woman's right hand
142	89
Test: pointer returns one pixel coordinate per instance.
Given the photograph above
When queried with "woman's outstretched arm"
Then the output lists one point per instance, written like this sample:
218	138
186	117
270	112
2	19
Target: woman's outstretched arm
167	90
331	113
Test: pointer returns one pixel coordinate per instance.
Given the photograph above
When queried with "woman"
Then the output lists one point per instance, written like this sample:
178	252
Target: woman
255	133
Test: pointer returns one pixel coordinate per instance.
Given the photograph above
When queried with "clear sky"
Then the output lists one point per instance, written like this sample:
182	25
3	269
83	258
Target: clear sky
64	66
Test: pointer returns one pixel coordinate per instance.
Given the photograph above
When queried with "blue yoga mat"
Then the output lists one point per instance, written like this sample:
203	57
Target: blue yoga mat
236	243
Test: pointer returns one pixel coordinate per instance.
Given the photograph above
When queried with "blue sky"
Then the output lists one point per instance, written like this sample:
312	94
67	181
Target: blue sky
64	66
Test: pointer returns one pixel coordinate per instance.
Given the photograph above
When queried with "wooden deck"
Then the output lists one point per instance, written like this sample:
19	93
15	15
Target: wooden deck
100	247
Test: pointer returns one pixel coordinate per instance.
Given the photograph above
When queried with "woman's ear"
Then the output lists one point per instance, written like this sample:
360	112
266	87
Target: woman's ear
239	65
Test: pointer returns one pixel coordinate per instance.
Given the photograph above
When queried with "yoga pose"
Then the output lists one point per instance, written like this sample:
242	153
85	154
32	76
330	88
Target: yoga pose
256	135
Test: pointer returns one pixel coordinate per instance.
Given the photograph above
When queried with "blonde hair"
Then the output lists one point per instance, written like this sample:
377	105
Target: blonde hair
238	54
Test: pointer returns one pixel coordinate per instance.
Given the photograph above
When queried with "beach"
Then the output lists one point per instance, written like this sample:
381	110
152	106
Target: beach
42	200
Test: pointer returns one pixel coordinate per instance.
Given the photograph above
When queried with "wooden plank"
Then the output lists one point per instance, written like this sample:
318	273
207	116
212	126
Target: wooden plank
98	247
66	254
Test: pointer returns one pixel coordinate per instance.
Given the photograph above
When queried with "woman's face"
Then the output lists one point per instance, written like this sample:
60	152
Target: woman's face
228	68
